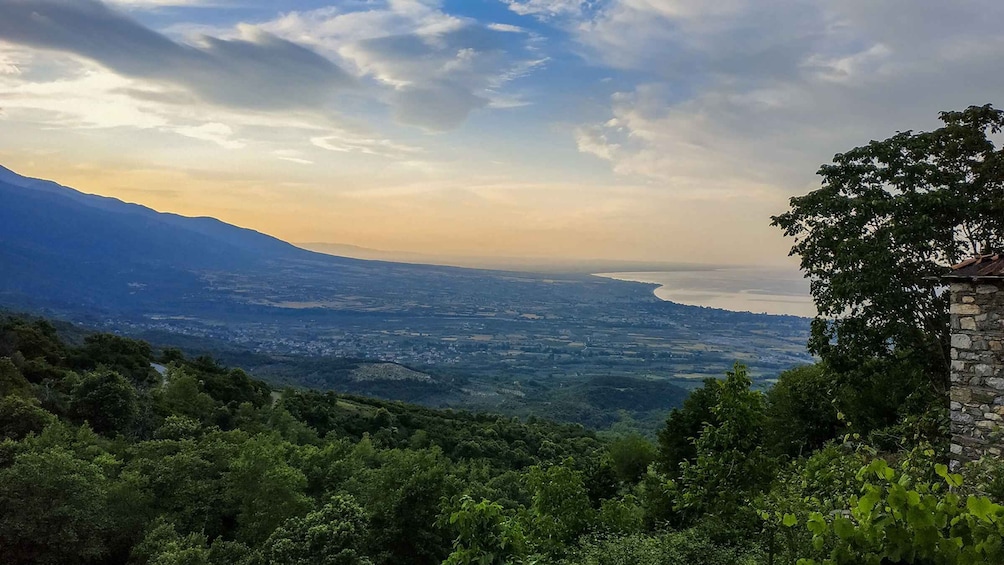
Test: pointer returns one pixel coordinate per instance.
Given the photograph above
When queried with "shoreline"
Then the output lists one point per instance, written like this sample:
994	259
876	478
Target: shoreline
757	291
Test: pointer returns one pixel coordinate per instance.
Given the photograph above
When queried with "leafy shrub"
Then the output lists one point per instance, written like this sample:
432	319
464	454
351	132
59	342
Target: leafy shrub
486	535
333	535
898	519
801	410
685	547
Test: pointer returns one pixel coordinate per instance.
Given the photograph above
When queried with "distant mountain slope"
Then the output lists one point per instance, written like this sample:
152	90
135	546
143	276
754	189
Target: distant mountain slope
64	247
522	264
129	216
61	247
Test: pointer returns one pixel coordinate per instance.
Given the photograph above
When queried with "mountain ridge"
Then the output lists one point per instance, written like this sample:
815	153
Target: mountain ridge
205	225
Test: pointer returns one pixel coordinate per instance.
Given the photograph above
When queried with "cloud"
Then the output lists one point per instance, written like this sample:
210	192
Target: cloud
349	142
215	132
594	141
506	27
754	95
90	98
8	65
545	8
257	70
427	68
292	155
164	3
685	40
439	106
431	67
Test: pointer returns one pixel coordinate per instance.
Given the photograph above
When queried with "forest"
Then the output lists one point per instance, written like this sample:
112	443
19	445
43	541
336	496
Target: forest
114	452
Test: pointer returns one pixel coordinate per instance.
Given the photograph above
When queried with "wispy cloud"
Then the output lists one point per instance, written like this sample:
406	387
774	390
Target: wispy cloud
257	70
167	3
545	8
436	68
293	156
215	132
347	142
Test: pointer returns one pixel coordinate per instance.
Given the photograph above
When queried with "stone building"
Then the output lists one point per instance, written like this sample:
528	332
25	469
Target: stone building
977	389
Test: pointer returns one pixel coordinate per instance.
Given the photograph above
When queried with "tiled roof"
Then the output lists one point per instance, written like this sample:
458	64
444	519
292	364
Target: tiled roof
979	267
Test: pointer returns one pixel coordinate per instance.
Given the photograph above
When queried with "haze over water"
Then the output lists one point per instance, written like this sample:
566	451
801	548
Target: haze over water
758	290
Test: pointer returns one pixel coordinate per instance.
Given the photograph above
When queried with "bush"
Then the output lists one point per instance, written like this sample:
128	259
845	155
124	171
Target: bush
22	416
686	547
801	411
106	400
900	519
631	455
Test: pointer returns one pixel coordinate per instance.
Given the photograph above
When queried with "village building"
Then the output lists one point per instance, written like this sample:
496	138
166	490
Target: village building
977	357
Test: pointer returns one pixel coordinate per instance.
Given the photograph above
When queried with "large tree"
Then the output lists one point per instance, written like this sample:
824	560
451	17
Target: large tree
106	400
54	509
888	220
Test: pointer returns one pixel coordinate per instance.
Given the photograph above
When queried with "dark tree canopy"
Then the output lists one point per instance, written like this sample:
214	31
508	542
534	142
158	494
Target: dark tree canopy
802	410
106	400
889	219
333	535
676	439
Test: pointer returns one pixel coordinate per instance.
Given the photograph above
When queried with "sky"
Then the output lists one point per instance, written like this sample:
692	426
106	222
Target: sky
653	130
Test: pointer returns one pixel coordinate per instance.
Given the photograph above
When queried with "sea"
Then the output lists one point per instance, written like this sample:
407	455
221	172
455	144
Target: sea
740	289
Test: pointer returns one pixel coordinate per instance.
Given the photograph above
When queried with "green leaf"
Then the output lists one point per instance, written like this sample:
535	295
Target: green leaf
816	523
843	527
867	502
980	506
955	480
789	520
818	542
941	470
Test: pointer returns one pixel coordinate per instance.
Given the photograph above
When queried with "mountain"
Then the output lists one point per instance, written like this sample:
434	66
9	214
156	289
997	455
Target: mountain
62	246
222	234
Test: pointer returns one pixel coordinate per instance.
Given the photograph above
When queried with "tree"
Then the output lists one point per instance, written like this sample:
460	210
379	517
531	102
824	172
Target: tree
186	481
888	220
561	510
129	357
732	463
22	416
631	456
182	395
333	535
264	488
676	439
802	410
163	545
11	380
403	498
106	400
34	339
54	509
485	535
899	518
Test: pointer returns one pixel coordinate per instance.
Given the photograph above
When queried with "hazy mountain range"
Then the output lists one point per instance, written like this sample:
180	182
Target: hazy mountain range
527	264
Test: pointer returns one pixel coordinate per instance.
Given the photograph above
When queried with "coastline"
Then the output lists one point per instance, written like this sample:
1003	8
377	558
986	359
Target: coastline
760	291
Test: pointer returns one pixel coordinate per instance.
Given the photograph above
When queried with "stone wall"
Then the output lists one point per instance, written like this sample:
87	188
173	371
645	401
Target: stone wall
977	392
